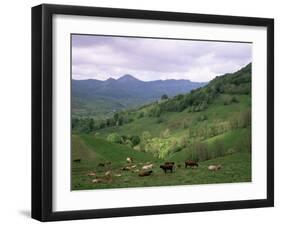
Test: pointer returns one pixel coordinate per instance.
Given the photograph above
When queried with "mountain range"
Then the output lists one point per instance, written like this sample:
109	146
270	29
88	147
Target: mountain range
96	97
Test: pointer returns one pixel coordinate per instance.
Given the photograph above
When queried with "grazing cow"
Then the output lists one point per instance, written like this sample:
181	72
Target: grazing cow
167	167
179	165
98	180
129	159
145	173
101	164
77	160
117	175
191	164
147	167
107	174
93	174
214	167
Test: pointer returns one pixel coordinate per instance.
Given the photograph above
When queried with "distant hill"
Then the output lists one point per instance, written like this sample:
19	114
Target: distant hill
96	97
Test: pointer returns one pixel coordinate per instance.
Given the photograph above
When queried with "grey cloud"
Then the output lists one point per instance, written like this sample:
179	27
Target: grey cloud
101	57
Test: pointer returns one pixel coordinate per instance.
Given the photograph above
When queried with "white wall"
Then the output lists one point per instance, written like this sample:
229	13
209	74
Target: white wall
15	111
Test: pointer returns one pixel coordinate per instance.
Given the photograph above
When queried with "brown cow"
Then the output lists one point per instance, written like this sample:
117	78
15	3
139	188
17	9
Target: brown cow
145	173
191	164
167	167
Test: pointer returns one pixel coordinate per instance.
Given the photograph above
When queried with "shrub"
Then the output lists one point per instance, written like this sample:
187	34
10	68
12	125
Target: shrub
200	151
146	136
159	120
227	100
141	115
234	100
164	97
114	138
135	140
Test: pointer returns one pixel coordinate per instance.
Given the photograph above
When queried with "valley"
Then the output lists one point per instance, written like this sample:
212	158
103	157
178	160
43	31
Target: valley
208	123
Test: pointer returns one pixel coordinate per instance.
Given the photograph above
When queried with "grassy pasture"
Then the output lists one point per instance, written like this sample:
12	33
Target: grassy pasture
92	151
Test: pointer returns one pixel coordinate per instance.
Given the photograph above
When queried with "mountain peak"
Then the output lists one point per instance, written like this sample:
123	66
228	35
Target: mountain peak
127	78
110	79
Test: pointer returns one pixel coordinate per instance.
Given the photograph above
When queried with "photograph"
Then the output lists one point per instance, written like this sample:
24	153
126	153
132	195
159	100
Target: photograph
159	111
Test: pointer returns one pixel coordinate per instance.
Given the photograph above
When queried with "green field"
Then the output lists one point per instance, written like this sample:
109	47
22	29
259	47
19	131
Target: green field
92	151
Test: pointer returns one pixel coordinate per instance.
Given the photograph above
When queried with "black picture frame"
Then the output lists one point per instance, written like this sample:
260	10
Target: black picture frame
42	111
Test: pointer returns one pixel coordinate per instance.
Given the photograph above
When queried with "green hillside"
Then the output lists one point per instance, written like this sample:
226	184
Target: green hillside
100	99
210	125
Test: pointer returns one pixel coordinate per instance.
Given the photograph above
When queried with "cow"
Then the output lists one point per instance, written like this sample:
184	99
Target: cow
145	173
92	174
191	164
167	167
98	180
147	167
77	160
107	174
129	159
214	167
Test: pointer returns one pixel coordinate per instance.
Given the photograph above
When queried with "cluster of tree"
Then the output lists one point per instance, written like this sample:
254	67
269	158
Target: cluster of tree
88	125
130	140
236	83
162	146
159	147
195	101
84	125
240	120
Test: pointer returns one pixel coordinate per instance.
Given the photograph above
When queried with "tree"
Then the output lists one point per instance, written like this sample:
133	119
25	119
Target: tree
201	151
115	117
120	121
164	97
135	140
91	124
74	123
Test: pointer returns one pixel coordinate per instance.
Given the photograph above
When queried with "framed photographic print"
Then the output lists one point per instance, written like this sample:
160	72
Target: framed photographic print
145	112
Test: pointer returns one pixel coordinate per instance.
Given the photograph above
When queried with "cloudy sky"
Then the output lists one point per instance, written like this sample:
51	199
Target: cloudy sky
102	57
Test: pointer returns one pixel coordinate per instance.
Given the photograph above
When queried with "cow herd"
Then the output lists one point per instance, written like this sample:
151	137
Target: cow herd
143	169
